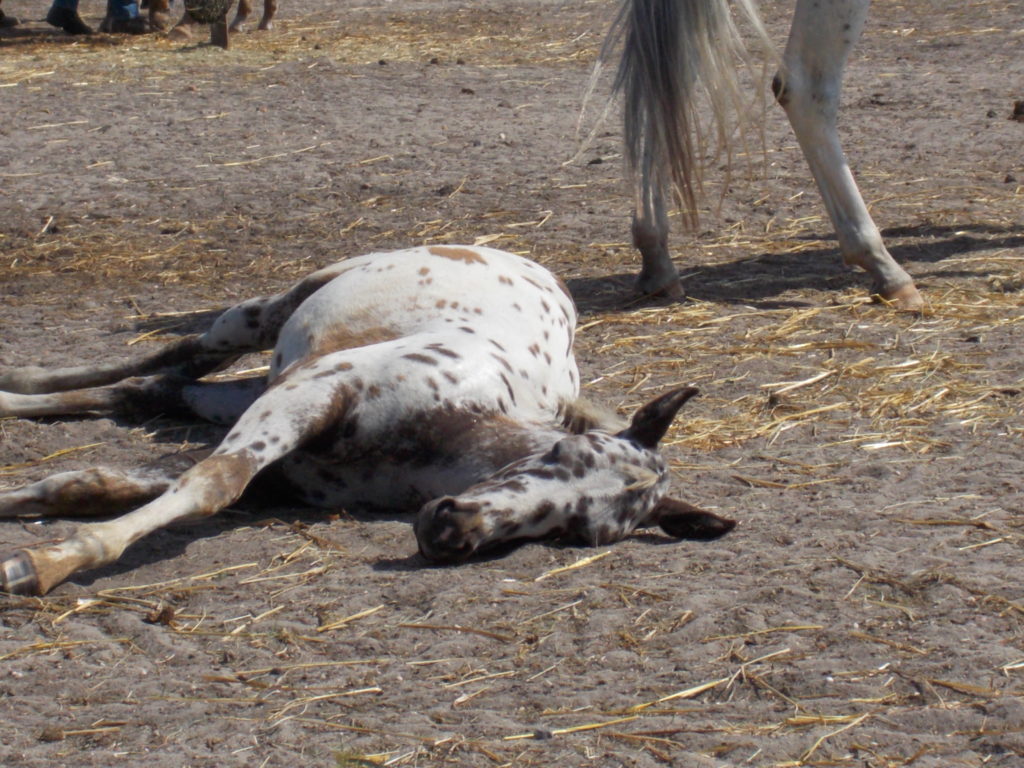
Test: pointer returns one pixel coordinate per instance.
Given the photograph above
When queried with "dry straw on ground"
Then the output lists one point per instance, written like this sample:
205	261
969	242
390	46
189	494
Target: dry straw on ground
865	612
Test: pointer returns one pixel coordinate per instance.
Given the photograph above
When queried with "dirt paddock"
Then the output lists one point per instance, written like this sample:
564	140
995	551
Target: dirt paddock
865	612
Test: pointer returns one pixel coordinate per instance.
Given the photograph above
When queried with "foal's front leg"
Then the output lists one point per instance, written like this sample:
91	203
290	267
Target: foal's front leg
295	410
96	492
101	492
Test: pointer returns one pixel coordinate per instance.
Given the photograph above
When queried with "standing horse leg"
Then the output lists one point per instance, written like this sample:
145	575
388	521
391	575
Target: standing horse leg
808	87
658	275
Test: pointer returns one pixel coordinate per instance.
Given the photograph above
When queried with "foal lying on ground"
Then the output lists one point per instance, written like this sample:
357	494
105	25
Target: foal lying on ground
440	378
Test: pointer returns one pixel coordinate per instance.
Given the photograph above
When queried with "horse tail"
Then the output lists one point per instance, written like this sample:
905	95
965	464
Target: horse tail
672	51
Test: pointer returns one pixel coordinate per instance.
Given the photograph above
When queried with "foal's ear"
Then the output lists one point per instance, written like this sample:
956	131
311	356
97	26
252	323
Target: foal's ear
651	421
685	521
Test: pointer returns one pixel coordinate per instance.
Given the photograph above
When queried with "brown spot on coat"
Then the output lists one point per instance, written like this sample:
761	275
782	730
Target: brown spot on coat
420	358
535	284
542	513
340	337
457	254
508	386
441	349
504	362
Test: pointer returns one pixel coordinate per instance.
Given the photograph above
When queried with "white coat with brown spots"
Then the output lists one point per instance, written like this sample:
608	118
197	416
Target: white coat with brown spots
435	378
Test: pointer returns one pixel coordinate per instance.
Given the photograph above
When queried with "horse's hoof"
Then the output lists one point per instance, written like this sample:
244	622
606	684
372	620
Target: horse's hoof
18	574
905	298
673	289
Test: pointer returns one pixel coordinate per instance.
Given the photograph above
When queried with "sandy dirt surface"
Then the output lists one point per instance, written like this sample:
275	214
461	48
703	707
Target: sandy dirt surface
868	610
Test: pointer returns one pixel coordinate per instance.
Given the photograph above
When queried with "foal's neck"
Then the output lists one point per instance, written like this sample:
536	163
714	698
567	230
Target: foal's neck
490	442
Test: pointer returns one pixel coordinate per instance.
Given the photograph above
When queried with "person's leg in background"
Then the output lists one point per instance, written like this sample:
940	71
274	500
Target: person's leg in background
123	17
64	15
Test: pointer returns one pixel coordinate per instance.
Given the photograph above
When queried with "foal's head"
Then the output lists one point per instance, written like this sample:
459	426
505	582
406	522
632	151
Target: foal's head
594	487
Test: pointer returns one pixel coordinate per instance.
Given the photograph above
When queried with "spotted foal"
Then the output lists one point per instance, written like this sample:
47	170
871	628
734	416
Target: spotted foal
440	378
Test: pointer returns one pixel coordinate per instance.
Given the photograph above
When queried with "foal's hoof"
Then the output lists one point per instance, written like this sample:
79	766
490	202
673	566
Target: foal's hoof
18	574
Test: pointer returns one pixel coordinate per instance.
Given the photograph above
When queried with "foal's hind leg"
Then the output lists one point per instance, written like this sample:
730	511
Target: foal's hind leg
250	326
220	402
808	89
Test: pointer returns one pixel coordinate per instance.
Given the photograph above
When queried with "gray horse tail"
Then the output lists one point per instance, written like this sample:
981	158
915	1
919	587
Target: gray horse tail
672	52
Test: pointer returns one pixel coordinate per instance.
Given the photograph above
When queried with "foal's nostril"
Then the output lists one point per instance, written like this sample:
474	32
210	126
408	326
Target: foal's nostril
445	506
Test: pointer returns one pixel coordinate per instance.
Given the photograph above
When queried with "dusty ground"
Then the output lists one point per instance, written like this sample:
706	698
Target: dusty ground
867	611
